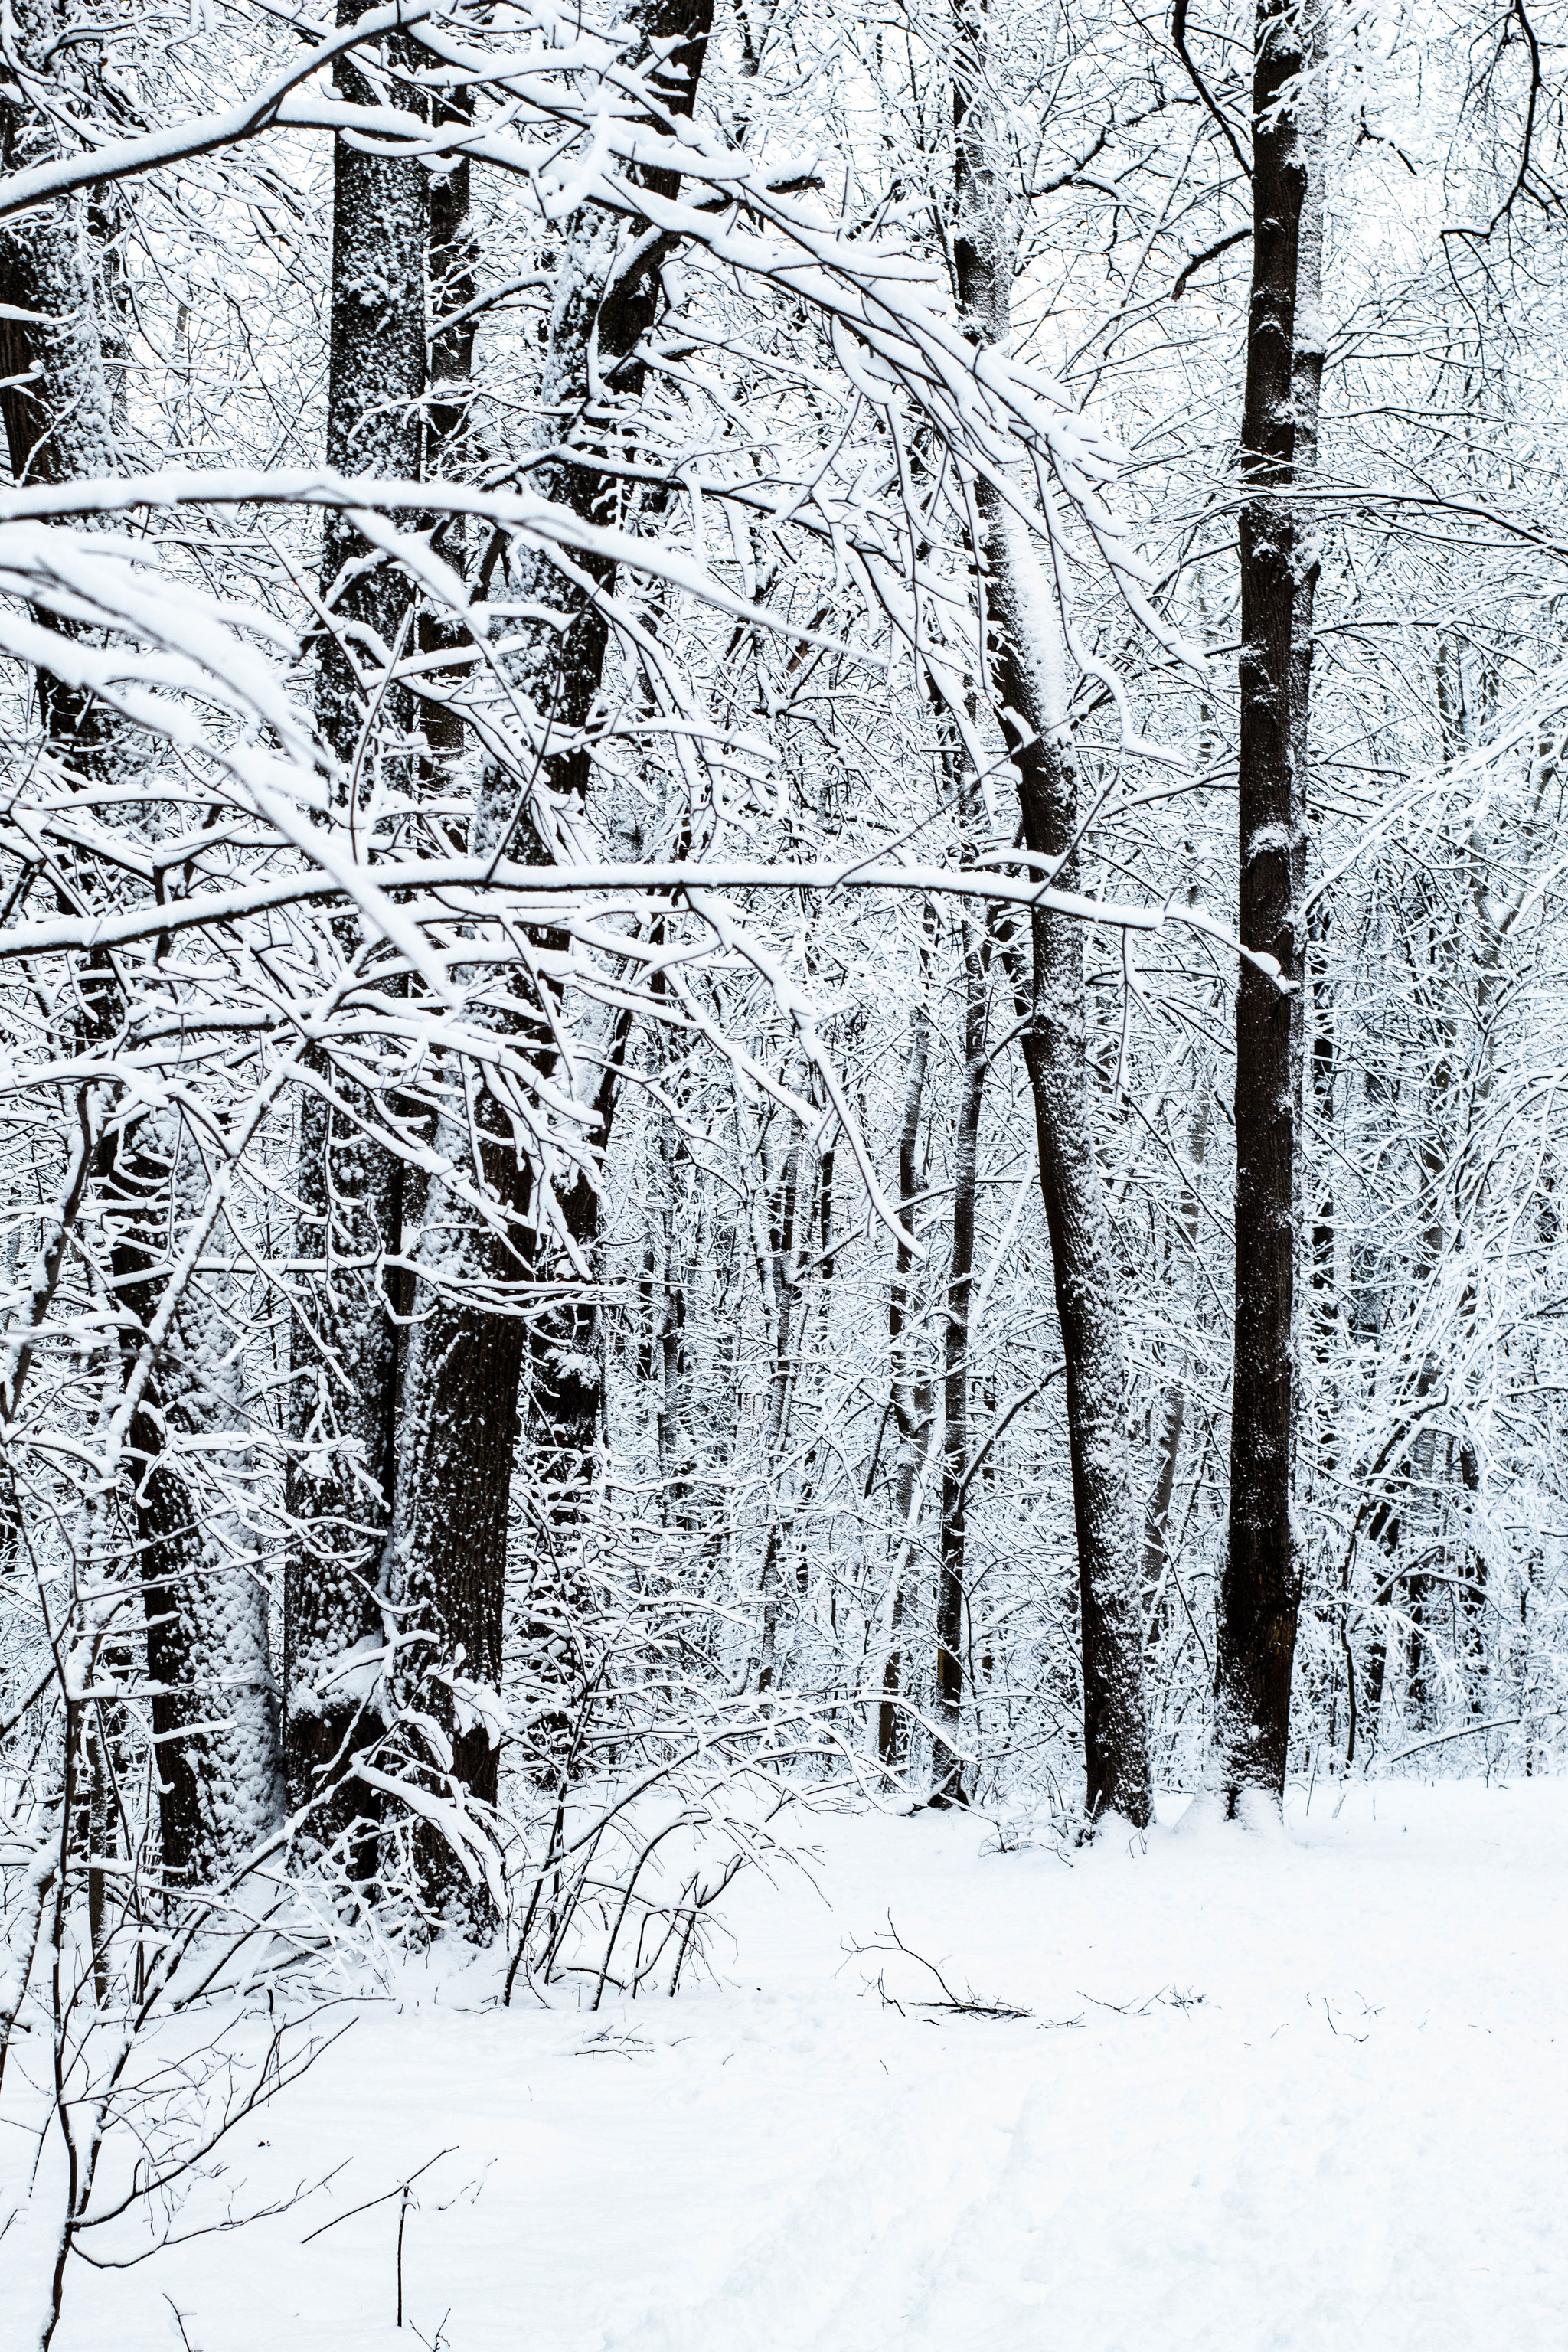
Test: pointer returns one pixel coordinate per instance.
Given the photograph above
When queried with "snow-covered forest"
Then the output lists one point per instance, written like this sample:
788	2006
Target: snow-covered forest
784	1033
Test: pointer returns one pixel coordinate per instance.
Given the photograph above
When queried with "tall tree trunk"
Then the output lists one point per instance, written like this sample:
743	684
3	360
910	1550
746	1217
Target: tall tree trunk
1174	1403
1261	1588
57	398
452	264
343	1339
786	1219
909	1390
948	1786
461	1381
1472	1645
604	308
214	1700
1030	696
213	1704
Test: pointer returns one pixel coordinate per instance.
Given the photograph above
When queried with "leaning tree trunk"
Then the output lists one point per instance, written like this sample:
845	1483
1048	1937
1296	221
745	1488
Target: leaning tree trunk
1261	1588
1025	677
344	1336
213	1700
1115	1724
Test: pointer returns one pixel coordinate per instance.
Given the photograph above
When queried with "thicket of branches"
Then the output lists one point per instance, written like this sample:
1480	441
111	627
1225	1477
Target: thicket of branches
622	940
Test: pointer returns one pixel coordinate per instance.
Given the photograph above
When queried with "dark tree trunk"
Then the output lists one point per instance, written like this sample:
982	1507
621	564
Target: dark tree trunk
452	265
948	1786
910	1390
345	1347
1115	1725
376	379
609	322
783	1275
213	1698
1026	676
1174	1403
1260	1589
461	1392
58	399
454	1479
213	1704
1473	1592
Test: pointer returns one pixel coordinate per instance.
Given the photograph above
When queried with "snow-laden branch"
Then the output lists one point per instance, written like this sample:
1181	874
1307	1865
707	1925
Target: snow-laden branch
535	893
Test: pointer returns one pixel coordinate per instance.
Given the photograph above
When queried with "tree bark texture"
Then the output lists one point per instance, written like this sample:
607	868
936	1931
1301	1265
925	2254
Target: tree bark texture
377	379
604	308
214	1700
948	1787
214	1696
453	263
1174	1403
784	1307
58	398
1025	652
458	1436
343	1339
1261	1588
911	1389
461	1385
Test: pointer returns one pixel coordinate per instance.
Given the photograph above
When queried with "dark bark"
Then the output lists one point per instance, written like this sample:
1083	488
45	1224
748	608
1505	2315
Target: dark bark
58	400
1025	677
1115	1726
213	1699
344	1345
594	378
1174	1403
213	1702
454	1472
344	1357
453	259
909	1389
1261	1588
376	374
1325	1299
784	1285
1472	1641
948	1783
466	1359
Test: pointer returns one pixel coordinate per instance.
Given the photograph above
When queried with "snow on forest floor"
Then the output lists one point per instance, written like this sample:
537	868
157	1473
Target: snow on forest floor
1301	2091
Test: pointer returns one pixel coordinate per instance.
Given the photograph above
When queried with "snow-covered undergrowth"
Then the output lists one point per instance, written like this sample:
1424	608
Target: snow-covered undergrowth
1288	2091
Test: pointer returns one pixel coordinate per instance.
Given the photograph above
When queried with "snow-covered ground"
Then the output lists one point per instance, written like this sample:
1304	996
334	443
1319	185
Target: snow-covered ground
1305	2091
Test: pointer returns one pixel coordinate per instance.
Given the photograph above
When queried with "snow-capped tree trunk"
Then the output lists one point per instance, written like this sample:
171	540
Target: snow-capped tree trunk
1174	1403
56	399
461	1383
448	431
343	1340
910	1388
784	1307
1116	1738
947	1785
1026	671
605	306
212	1695
1261	1588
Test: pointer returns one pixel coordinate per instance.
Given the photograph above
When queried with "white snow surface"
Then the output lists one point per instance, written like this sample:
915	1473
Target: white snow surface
1304	2089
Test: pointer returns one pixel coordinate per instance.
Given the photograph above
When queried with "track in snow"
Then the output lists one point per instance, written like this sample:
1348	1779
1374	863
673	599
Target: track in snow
1298	2093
